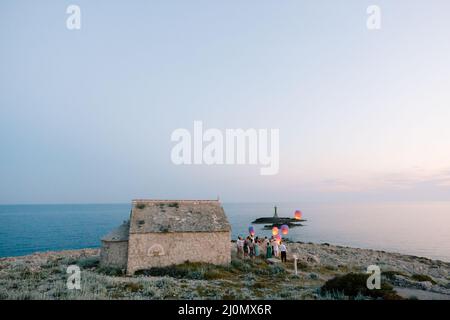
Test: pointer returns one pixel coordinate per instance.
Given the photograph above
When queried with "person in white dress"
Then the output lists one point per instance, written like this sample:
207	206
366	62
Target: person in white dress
276	248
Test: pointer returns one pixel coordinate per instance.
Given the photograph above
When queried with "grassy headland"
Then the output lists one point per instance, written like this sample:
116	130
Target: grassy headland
324	272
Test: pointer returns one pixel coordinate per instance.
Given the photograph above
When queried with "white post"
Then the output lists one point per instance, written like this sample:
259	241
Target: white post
295	263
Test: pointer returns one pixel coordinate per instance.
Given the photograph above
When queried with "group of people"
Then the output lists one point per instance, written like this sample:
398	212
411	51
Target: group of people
254	247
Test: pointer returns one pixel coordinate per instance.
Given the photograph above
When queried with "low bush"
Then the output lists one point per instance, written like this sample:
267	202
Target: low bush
276	269
214	274
241	265
422	278
355	284
392	273
110	271
140	205
173	205
205	271
133	286
89	262
188	270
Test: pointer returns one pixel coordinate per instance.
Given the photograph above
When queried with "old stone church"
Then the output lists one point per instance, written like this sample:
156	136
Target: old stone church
166	232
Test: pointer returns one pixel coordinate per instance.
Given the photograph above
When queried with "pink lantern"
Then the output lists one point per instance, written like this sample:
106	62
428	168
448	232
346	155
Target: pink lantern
278	238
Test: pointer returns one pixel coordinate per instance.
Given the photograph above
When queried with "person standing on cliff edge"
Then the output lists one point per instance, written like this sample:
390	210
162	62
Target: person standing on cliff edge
283	251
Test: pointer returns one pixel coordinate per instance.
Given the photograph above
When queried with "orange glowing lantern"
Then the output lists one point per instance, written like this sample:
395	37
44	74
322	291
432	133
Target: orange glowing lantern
298	215
275	231
284	229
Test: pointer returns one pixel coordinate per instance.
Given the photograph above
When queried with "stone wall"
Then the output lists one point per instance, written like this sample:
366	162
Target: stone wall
114	254
148	250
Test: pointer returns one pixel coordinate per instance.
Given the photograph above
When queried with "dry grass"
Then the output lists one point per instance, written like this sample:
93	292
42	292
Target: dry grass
45	278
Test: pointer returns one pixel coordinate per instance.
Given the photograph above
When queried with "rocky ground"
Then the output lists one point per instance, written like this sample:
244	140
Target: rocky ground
411	276
324	272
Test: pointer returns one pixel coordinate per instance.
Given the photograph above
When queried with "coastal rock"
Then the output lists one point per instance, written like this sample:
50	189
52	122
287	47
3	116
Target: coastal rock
405	282
313	259
273	261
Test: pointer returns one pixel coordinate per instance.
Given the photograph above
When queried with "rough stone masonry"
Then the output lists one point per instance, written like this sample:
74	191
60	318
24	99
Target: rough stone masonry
168	232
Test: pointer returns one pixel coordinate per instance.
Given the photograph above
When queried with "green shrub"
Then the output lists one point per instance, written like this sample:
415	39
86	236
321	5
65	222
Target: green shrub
54	263
140	205
87	263
241	265
276	269
355	284
68	261
263	284
392	273
186	270
133	286
212	275
313	276
173	205
191	270
330	267
111	271
422	278
163	283
164	229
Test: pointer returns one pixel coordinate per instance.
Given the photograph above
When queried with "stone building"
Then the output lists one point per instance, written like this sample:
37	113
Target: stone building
114	251
166	232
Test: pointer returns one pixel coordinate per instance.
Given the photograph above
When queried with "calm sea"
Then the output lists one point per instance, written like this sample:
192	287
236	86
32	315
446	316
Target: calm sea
421	228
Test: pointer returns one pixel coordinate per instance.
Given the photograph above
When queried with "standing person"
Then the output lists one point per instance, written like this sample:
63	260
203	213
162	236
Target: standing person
262	249
240	247
283	251
245	247
264	246
251	247
257	250
276	249
268	251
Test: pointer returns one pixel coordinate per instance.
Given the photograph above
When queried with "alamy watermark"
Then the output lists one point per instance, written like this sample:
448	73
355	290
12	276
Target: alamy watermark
74	279
73	21
234	146
374	280
374	18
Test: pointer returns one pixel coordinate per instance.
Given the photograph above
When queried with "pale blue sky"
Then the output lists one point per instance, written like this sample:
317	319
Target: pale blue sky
86	116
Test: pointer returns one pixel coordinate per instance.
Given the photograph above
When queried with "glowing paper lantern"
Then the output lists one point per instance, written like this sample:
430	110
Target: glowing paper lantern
275	231
251	230
284	229
298	215
278	238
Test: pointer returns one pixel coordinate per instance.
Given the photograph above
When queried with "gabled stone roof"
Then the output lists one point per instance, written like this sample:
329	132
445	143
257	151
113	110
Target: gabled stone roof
119	234
157	216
